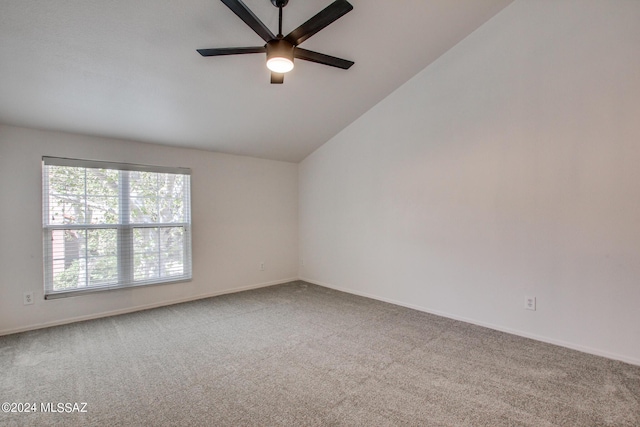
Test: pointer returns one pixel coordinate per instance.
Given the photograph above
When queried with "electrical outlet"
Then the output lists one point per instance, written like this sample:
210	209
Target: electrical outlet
262	266
27	298
530	303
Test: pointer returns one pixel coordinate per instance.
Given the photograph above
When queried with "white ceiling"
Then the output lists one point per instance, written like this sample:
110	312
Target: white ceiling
129	69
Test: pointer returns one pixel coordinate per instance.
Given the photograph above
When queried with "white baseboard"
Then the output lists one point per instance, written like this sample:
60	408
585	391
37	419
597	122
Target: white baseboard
142	307
561	343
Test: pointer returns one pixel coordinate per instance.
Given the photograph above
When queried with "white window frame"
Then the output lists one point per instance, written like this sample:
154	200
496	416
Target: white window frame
125	229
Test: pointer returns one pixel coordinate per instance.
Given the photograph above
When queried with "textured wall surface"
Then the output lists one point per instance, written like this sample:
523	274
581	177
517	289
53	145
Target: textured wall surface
244	211
509	167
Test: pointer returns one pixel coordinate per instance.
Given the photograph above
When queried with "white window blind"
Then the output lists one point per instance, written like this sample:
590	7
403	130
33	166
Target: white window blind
114	225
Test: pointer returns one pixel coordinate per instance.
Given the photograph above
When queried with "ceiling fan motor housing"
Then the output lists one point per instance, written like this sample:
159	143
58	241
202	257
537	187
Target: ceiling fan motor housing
279	49
279	3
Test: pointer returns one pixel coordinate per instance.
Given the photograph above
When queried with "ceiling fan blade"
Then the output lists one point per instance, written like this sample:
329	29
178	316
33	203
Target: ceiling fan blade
231	51
277	78
328	15
321	58
250	19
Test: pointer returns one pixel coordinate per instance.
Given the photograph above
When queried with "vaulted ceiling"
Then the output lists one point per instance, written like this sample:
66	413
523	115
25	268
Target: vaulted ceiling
129	69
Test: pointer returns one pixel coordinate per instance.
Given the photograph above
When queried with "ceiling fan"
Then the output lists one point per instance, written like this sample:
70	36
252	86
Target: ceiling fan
281	49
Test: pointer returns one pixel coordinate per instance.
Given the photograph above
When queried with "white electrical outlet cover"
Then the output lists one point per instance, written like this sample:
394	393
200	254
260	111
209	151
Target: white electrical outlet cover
27	298
530	303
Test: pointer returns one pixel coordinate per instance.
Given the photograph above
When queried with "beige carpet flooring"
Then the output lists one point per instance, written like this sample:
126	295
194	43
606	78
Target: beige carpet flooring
302	355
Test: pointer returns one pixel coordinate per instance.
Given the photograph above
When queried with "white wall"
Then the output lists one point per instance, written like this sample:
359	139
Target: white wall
244	211
509	167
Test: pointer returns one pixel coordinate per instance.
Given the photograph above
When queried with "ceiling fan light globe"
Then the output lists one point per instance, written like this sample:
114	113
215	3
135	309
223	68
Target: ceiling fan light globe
279	56
280	65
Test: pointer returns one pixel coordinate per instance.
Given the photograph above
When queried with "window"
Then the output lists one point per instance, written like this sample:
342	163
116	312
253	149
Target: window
114	225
